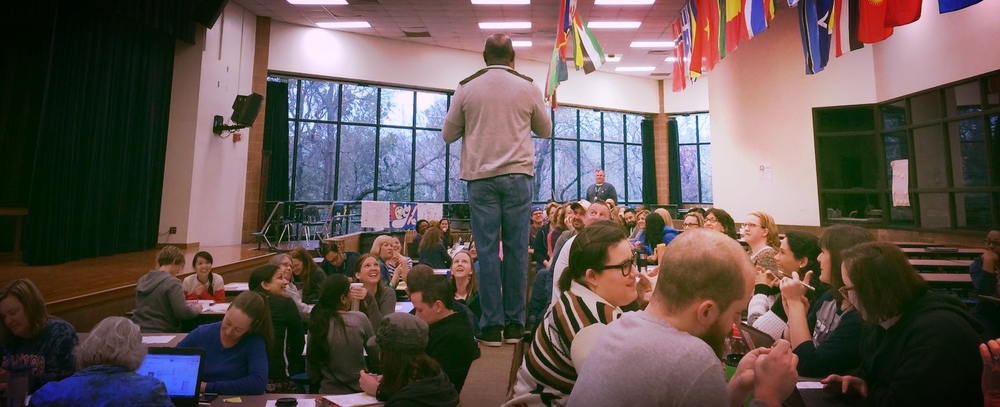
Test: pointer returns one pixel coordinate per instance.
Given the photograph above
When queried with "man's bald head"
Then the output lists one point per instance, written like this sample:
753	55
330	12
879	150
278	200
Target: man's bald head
702	264
499	50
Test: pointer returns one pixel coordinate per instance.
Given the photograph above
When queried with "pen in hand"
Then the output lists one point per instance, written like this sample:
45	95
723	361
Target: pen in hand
782	275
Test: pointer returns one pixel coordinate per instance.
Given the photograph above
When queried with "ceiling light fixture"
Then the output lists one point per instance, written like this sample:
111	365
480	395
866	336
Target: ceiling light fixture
652	44
521	44
634	68
318	2
623	2
670	59
503	25
613	24
344	24
501	1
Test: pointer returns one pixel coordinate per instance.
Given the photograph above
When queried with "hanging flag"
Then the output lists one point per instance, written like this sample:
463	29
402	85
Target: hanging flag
754	14
699	36
557	63
871	25
677	32
589	54
947	6
686	38
734	24
845	27
814	18
714	30
792	3
768	11
901	12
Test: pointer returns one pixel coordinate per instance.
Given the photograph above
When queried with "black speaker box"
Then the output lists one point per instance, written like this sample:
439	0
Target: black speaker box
207	12
245	108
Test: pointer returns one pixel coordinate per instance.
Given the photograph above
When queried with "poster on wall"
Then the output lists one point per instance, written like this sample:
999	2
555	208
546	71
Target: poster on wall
403	215
380	215
900	182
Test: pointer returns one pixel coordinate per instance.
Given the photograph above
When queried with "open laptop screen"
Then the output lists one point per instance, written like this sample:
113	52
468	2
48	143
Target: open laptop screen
177	368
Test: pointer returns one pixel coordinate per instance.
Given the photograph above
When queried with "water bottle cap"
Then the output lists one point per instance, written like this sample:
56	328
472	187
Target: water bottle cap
736	332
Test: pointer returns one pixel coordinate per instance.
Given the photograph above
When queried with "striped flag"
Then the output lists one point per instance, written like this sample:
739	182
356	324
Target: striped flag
753	13
814	17
679	78
589	54
557	64
844	21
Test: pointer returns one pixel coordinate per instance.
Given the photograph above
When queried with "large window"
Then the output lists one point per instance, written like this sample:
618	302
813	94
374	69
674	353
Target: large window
950	141
694	150
583	141
351	142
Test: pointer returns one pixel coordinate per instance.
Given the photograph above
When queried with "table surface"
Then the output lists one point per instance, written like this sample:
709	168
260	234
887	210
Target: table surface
261	400
8	211
946	278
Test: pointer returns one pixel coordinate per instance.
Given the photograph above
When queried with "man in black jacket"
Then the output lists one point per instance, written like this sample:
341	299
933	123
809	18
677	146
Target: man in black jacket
451	342
337	262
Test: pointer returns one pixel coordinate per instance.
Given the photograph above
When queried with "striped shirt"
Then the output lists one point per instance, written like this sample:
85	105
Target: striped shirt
547	375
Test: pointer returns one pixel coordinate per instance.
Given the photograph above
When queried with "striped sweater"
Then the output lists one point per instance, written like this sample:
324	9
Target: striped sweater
547	375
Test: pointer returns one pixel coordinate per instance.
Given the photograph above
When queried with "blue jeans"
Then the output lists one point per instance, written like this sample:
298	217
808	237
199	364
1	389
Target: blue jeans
500	209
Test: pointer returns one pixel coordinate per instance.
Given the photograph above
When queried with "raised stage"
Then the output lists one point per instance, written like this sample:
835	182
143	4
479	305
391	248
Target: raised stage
86	291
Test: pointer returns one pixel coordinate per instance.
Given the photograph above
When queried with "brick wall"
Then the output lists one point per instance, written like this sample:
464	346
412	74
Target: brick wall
253	212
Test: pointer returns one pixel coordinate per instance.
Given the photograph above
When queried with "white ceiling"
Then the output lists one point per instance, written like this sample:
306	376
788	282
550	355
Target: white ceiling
454	24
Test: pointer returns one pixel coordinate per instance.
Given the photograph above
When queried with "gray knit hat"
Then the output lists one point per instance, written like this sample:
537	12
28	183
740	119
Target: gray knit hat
401	332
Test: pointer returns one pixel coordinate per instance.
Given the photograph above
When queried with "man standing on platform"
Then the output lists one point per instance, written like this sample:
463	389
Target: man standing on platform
494	111
601	191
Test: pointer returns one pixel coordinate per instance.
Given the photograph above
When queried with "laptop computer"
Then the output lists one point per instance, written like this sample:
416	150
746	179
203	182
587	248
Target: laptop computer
179	369
754	337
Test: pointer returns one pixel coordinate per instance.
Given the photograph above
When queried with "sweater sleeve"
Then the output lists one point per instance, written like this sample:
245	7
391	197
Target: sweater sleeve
612	193
219	285
454	120
296	340
175	296
541	122
255	382
316	278
59	359
838	354
377	307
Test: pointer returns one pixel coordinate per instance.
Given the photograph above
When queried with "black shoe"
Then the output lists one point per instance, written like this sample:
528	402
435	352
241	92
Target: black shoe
491	336
513	332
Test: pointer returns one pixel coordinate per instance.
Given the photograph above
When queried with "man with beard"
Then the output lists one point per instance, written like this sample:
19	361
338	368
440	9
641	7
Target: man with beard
630	221
666	355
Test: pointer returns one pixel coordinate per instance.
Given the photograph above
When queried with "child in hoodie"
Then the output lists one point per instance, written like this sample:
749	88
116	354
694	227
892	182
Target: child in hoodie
159	298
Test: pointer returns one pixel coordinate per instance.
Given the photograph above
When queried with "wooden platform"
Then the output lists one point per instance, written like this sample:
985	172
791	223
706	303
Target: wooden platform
86	291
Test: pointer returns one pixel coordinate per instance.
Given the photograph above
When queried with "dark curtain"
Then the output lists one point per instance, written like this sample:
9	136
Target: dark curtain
99	157
276	142
675	161
27	30
648	163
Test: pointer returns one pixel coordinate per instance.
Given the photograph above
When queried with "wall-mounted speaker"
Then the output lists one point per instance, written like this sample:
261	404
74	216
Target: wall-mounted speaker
207	12
246	108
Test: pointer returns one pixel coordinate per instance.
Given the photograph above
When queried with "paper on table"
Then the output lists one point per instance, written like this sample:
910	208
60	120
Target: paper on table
302	403
158	338
771	324
809	385
354	400
221	307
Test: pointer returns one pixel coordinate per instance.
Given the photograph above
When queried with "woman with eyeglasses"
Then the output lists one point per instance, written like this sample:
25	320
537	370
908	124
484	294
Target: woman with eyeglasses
984	277
761	233
918	347
693	220
600	279
825	333
720	221
797	253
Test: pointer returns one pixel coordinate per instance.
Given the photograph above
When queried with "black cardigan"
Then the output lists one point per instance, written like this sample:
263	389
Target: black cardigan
436	257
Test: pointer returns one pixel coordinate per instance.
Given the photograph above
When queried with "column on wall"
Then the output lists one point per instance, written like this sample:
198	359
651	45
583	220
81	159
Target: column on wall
662	149
253	213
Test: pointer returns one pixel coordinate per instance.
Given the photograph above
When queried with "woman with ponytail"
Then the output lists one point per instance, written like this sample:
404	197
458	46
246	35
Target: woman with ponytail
333	326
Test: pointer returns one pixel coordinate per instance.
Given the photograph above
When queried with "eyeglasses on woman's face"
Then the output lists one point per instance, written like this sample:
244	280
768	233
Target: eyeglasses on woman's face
626	267
844	290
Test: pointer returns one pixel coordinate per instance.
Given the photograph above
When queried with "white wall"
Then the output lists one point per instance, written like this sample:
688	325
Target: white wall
760	106
938	49
335	54
205	176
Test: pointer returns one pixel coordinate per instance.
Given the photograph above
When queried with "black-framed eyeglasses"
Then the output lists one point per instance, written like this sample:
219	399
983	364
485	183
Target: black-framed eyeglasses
626	267
991	242
844	290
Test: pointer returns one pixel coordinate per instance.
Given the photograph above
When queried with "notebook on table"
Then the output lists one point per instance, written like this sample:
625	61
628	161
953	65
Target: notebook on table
754	337
180	371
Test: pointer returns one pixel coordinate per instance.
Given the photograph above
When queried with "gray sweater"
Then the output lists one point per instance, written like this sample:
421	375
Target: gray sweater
495	112
340	375
160	303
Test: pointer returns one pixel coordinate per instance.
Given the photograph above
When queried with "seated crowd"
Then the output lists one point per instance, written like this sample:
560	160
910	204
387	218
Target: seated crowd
625	310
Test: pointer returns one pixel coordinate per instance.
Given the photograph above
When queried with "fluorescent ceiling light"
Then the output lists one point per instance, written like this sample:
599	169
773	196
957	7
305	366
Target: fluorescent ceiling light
344	24
501	1
503	25
520	44
634	68
623	2
613	24
652	44
319	2
670	59
615	58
